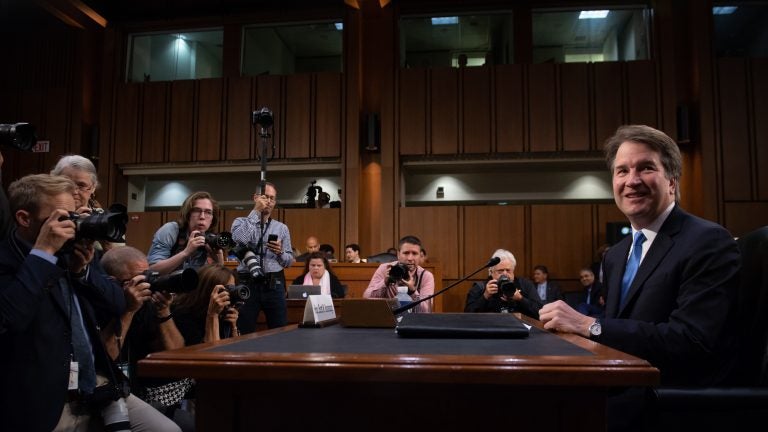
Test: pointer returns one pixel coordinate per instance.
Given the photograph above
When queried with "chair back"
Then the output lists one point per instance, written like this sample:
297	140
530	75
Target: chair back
753	309
382	258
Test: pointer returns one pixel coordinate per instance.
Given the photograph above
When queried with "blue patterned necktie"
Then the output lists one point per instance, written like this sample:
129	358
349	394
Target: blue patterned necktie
632	264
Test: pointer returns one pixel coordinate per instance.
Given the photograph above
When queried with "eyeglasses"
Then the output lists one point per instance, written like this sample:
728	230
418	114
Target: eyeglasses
82	187
271	198
198	211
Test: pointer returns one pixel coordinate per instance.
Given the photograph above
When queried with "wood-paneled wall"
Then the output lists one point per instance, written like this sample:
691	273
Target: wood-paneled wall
210	119
533	108
742	94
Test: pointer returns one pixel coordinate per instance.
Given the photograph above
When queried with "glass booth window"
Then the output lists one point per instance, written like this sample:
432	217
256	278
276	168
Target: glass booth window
292	48
456	40
567	36
740	30
175	56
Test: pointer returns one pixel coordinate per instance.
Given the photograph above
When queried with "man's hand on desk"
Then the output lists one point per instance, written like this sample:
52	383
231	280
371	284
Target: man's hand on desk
558	316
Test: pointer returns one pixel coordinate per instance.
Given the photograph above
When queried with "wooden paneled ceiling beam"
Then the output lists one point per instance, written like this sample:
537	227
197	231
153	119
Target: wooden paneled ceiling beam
74	13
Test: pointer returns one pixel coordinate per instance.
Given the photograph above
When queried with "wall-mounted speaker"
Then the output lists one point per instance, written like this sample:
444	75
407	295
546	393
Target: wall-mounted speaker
687	124
615	231
371	133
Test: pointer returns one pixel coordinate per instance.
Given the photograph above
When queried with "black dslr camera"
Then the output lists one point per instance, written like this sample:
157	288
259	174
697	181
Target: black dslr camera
107	226
238	293
222	240
20	136
507	287
180	281
262	117
398	273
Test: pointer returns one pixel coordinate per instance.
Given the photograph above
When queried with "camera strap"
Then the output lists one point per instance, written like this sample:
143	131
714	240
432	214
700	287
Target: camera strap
181	240
260	245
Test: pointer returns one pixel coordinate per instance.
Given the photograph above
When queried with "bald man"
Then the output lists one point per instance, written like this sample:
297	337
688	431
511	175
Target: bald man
313	245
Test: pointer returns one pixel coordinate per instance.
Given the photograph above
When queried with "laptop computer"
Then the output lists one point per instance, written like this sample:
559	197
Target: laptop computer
302	291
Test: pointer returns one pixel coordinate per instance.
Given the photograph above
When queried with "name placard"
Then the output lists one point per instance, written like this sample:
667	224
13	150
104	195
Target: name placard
319	308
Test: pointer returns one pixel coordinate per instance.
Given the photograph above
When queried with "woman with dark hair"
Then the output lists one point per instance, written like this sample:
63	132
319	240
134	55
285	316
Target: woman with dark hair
204	314
181	244
317	271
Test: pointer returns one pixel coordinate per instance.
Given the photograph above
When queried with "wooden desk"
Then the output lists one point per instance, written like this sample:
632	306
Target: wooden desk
336	385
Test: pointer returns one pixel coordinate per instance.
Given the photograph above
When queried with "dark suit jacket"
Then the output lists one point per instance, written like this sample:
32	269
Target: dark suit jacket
679	311
594	295
553	293
35	335
529	305
337	290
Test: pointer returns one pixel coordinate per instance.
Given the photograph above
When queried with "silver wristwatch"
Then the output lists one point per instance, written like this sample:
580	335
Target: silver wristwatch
595	329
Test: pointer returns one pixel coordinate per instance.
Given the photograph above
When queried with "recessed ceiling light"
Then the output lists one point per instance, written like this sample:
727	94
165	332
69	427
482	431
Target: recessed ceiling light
593	14
724	10
445	20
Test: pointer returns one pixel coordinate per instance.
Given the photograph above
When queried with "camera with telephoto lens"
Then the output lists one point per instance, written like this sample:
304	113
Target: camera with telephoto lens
110	401
262	117
222	240
507	287
398	273
115	416
107	226
20	136
180	281
250	260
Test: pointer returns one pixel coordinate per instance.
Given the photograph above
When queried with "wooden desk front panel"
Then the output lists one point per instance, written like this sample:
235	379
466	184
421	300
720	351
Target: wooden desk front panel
241	391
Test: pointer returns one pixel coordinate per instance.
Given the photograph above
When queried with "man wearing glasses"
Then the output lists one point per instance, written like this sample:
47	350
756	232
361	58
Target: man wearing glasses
270	240
502	291
178	245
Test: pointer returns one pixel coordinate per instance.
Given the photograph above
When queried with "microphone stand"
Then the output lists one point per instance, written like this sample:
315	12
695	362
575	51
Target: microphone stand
492	262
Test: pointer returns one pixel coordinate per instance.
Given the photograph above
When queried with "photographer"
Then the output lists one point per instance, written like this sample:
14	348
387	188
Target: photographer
270	241
406	271
502	291
206	313
181	244
147	326
54	367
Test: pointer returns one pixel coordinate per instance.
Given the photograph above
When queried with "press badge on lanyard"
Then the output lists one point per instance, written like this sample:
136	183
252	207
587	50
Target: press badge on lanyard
74	370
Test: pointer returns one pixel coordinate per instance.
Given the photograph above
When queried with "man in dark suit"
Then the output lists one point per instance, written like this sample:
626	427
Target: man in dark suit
51	304
546	290
677	310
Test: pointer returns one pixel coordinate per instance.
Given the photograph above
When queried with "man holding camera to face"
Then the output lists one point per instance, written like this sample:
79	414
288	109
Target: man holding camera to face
267	244
55	372
147	326
406	271
503	292
182	243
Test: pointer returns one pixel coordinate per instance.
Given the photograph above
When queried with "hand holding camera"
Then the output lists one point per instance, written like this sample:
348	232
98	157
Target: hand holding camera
55	232
136	292
219	301
508	289
195	241
81	254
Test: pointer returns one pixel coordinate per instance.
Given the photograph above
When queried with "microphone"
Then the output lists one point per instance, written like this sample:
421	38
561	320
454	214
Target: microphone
491	262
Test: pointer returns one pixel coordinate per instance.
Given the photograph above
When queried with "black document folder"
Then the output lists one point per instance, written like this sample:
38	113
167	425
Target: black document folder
461	326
